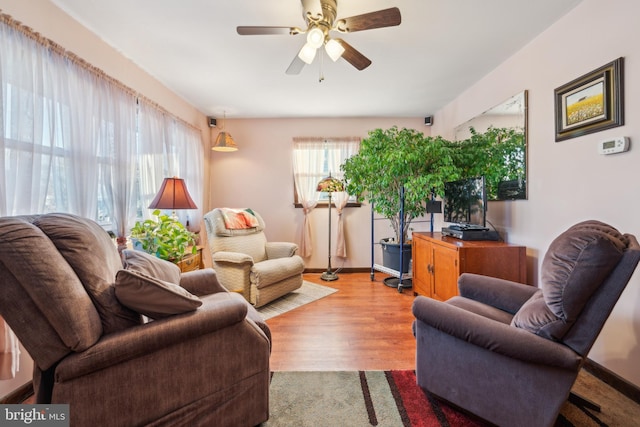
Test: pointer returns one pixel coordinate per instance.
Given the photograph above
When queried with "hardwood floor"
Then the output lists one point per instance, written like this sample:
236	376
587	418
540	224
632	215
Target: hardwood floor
366	325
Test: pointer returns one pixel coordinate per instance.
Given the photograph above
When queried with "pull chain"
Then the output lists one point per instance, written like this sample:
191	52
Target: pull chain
320	63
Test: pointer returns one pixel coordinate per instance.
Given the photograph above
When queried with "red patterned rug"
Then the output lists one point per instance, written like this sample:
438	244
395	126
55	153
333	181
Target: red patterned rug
373	398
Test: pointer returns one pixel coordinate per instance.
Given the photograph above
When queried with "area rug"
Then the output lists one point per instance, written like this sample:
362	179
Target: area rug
373	398
307	293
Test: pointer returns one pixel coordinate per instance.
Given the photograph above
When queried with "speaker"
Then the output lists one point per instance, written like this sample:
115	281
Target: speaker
428	121
434	206
212	122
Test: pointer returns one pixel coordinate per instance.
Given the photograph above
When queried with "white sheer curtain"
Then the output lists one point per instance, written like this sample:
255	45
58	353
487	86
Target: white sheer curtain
338	150
118	155
78	121
73	140
308	161
186	161
151	152
27	138
170	148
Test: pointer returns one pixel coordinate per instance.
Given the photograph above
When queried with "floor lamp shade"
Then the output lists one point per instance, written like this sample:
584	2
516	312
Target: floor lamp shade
173	194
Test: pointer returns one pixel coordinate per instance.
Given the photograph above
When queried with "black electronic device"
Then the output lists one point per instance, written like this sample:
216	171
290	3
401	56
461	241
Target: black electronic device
471	233
465	208
465	202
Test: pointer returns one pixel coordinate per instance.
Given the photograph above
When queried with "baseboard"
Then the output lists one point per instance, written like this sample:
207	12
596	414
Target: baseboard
339	270
613	380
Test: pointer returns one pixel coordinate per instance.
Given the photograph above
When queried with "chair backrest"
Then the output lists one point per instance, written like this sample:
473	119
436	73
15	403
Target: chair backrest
590	322
223	237
584	272
57	273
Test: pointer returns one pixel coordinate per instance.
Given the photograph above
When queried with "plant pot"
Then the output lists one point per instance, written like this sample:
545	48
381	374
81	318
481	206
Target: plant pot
391	255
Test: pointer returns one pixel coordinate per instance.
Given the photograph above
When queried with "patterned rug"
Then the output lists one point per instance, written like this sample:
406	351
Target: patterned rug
373	398
307	293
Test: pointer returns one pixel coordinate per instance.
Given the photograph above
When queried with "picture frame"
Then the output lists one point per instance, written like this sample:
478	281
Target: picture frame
590	103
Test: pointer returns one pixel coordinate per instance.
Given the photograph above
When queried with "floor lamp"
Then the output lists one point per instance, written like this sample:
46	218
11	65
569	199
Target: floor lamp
329	185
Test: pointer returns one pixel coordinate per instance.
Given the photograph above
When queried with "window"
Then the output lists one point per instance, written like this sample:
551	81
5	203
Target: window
316	158
74	140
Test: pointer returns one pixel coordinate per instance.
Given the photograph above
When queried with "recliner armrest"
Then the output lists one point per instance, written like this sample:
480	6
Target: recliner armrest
231	257
201	282
217	312
499	293
492	335
280	249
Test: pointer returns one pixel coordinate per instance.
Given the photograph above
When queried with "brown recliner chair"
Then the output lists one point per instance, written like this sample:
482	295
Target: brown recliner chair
61	286
510	353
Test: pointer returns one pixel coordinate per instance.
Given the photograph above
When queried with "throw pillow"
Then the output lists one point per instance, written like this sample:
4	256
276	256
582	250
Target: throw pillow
535	317
150	265
153	297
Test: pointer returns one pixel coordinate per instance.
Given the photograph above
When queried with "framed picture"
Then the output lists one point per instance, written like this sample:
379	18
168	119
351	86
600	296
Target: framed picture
590	103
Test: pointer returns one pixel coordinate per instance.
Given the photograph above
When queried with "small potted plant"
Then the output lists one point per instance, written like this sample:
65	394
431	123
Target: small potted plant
164	237
394	158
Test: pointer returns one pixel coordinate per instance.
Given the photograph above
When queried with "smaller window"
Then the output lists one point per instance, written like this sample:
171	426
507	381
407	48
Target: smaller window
316	158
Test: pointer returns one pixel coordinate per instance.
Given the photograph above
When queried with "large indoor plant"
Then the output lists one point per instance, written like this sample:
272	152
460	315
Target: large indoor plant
390	159
164	237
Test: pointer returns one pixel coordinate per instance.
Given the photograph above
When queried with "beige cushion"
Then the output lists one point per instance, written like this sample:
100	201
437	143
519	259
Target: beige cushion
155	298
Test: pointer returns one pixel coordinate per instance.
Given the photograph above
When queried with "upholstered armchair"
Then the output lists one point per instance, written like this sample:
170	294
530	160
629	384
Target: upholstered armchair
245	262
509	352
131	340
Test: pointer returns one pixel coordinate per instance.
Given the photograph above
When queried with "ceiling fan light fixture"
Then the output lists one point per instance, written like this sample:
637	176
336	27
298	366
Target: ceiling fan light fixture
315	37
334	49
307	53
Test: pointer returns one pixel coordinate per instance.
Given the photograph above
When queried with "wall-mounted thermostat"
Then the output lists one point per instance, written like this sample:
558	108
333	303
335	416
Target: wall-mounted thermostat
613	145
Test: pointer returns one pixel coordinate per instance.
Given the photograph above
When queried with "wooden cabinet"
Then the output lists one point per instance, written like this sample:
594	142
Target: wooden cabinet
439	260
191	261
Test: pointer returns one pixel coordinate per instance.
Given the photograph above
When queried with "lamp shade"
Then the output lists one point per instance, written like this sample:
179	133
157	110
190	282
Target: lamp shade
173	194
330	185
224	142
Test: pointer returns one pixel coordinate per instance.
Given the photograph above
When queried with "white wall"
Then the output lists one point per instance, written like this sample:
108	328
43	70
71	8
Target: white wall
568	180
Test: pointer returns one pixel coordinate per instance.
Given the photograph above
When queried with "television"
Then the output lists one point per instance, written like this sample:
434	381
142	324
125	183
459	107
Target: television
465	202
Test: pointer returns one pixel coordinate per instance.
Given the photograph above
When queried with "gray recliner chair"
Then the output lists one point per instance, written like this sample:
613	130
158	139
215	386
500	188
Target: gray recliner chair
509	352
246	262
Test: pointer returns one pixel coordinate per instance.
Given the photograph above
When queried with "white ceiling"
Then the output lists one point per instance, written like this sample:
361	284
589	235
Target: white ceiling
441	48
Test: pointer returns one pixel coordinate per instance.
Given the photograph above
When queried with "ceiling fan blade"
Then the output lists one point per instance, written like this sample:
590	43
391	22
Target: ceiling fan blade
353	56
259	31
296	66
368	21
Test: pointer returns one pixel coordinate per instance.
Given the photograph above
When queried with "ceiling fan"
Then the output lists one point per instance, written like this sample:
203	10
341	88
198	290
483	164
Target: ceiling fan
320	18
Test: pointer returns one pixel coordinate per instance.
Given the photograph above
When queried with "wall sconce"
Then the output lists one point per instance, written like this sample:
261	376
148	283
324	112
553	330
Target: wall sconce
224	140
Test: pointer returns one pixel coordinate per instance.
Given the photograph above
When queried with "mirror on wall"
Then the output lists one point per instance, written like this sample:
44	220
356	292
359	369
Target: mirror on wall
506	125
